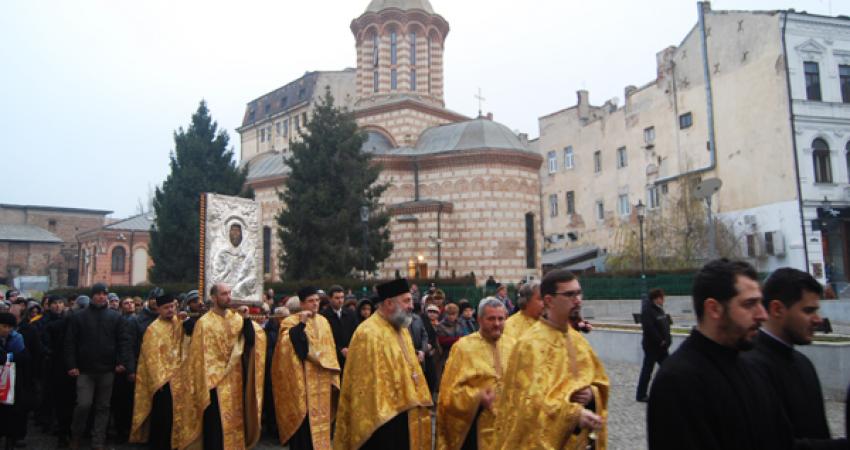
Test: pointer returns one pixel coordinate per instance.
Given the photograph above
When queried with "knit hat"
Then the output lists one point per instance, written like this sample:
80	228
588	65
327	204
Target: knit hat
8	319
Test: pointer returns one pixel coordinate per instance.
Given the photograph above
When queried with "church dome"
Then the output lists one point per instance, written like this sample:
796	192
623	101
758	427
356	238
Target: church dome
475	134
404	5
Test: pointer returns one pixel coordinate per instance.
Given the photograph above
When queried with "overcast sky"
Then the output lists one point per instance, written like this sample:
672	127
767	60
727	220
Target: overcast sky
91	91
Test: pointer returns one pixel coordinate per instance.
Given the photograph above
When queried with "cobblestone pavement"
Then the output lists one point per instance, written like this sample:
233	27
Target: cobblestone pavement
626	419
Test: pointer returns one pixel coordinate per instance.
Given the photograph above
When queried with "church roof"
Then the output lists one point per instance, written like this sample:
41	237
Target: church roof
404	5
469	135
140	222
267	165
27	233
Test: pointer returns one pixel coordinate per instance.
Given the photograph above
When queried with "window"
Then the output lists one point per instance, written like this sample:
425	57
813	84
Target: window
376	49
597	161
277	128
51	225
553	205
664	188
412	79
119	255
269	133
622	158
752	246
304	119
393	79
600	210
283	102
376	81
623	205
297	123
267	107
530	243
571	202
569	158
686	120
769	248
301	93
812	80
823	167
844	77
653	200
263	135
393	48
286	128
267	250
429	63
552	157
413	48
649	135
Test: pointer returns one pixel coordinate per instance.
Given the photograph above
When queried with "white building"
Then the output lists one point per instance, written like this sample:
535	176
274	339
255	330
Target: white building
720	107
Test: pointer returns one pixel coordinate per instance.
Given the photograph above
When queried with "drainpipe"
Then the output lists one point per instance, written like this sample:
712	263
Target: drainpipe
794	141
416	178
709	102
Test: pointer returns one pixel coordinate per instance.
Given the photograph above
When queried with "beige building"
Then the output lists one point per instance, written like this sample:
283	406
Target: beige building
718	108
463	195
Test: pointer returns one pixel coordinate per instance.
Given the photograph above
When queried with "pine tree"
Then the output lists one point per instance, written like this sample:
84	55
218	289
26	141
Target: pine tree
331	179
201	162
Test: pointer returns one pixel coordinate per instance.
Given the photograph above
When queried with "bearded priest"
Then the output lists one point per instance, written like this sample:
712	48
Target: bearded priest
385	400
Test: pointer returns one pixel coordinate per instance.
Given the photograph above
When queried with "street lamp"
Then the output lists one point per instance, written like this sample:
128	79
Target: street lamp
364	219
640	209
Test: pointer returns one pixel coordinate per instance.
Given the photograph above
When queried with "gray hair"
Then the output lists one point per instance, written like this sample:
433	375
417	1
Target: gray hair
293	305
281	311
526	292
489	302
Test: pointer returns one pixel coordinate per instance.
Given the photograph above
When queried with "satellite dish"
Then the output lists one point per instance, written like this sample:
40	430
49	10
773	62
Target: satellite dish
707	188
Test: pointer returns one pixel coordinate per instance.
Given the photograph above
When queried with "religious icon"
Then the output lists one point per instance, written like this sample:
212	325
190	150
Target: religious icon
231	246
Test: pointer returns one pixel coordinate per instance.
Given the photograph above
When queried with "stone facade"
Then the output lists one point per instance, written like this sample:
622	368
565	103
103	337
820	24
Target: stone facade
58	261
607	158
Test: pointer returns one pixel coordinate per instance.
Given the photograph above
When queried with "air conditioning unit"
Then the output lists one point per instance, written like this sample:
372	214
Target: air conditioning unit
750	220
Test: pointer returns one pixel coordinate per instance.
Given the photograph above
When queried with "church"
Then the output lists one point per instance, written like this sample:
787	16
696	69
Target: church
464	193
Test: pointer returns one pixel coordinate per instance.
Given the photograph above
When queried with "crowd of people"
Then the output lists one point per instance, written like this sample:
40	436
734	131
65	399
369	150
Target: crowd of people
324	369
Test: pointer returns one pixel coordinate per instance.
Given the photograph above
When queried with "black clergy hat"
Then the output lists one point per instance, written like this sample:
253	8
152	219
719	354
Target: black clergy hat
306	291
392	289
164	299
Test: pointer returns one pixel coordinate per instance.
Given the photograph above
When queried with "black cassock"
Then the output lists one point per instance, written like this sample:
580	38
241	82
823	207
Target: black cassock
161	419
796	382
394	434
707	397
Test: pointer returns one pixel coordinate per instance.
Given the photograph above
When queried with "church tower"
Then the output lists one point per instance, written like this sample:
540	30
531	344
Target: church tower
400	50
399	86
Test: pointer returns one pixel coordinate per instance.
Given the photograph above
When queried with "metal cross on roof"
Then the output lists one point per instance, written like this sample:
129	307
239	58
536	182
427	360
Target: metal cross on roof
481	100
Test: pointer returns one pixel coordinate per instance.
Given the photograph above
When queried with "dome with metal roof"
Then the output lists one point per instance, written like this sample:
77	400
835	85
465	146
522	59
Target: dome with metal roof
267	165
404	5
474	134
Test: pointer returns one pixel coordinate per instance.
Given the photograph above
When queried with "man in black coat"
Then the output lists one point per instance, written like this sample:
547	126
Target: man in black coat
61	387
97	347
343	322
792	300
656	339
706	396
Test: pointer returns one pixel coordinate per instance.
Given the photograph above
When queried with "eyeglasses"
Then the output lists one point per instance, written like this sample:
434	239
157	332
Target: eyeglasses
569	294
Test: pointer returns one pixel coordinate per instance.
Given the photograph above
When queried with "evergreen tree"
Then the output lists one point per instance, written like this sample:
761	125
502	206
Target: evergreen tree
201	162
331	179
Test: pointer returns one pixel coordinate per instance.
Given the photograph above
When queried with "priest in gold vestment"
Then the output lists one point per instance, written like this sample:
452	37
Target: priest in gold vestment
159	377
471	385
225	370
384	402
305	372
555	392
530	309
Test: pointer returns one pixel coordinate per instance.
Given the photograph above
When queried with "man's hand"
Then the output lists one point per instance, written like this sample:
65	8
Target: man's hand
487	398
582	397
421	355
589	420
182	315
344	352
74	372
303	316
131	378
120	369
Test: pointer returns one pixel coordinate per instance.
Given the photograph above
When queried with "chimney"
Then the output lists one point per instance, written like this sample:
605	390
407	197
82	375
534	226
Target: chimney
583	104
490	116
523	137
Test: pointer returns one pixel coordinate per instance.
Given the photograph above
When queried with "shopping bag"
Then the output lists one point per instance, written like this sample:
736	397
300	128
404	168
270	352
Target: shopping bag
7	384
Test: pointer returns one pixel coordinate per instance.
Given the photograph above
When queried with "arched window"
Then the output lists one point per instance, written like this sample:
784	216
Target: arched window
530	244
413	48
119	256
267	250
376	50
820	156
393	47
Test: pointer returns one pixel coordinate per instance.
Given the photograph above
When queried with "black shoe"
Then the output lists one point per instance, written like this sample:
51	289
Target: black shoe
643	399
